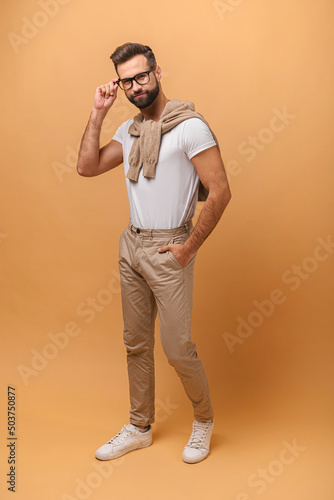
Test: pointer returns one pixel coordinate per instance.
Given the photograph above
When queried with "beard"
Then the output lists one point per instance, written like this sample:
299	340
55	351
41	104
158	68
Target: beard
147	98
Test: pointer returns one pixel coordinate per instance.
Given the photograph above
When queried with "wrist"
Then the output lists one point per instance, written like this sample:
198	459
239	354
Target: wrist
189	248
97	116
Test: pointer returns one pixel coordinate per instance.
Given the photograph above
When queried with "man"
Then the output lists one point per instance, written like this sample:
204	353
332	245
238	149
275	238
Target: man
170	155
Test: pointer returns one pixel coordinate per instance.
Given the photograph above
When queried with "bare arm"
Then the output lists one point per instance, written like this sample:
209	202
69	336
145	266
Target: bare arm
93	160
211	171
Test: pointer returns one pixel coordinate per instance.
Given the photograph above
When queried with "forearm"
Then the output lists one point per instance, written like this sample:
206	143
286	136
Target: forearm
212	211
210	169
88	158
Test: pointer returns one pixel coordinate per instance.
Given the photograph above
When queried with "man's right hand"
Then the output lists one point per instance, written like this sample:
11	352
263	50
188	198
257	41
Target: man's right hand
93	160
106	95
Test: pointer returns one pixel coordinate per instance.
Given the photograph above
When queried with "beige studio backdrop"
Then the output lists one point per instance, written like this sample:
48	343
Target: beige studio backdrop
261	72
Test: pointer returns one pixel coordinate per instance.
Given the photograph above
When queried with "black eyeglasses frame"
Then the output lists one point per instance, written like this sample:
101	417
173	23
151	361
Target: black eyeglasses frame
134	78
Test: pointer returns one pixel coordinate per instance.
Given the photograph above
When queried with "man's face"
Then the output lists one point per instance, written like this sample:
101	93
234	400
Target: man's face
139	95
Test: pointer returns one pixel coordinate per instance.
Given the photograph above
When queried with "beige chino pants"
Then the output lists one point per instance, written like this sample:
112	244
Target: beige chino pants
151	283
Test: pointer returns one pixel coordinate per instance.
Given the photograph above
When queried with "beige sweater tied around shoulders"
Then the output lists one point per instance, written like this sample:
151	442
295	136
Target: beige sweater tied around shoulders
145	148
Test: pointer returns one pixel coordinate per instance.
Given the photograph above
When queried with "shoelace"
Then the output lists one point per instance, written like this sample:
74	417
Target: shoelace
119	438
198	435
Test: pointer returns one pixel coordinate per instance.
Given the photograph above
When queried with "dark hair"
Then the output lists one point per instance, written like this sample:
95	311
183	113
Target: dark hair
128	50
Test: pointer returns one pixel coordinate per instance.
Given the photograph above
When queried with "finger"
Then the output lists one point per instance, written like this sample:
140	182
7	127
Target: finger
107	90
101	89
114	86
164	248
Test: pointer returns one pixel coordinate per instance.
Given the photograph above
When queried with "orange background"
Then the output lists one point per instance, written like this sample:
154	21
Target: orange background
241	63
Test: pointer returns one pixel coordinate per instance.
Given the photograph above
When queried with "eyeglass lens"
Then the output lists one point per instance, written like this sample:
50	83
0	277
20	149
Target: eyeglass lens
141	79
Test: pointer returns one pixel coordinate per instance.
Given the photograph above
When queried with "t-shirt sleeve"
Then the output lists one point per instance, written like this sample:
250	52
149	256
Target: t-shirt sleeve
196	137
119	134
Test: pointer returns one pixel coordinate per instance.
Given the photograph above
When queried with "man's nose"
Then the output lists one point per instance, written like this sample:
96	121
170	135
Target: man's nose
135	86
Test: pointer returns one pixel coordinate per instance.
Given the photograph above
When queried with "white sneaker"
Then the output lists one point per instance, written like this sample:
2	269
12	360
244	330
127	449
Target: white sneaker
129	438
198	446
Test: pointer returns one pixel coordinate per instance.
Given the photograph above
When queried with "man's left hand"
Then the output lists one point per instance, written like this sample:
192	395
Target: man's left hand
179	251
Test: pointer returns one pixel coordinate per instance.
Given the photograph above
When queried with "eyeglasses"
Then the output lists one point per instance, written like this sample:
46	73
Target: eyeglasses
141	79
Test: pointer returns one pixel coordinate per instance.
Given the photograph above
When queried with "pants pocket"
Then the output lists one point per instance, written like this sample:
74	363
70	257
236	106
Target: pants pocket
178	240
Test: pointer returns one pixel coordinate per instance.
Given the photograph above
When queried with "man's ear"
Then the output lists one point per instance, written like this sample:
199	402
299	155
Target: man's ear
158	72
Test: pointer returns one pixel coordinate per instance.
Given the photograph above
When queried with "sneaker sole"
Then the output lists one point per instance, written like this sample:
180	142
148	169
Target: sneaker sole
120	453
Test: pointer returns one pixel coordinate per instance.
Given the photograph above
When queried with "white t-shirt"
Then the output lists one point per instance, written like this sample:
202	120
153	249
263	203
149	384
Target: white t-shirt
169	200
